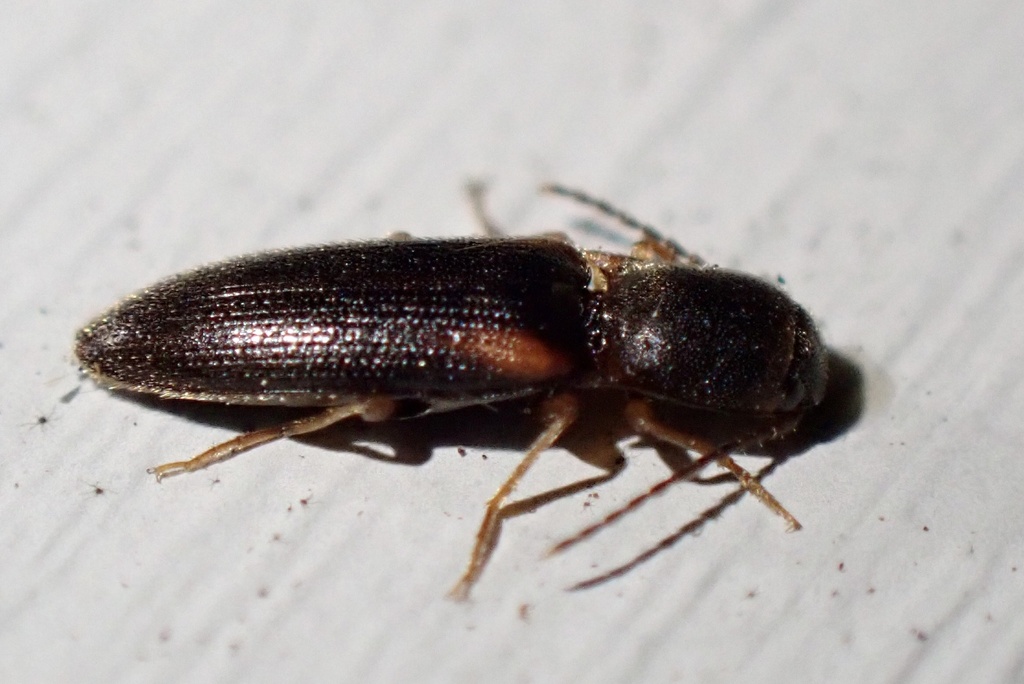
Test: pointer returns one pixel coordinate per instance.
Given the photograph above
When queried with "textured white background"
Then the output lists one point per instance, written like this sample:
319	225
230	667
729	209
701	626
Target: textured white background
872	153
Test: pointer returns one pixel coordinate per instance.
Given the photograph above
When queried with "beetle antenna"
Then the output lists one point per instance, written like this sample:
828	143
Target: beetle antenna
650	235
602	206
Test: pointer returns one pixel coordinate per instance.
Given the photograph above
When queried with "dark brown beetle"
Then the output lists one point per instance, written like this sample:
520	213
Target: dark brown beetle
399	328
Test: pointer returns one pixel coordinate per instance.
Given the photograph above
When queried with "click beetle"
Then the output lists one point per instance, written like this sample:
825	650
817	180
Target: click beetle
401	327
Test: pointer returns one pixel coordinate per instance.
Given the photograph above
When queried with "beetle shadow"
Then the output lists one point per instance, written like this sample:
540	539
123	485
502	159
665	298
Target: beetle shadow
506	426
511	426
594	438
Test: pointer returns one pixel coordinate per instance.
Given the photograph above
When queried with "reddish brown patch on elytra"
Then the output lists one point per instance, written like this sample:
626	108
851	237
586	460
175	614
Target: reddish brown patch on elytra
513	352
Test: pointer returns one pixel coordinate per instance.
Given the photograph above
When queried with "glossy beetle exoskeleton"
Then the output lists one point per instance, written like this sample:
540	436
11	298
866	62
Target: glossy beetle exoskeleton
398	328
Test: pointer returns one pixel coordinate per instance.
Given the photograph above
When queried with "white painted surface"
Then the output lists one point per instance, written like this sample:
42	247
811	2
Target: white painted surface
873	155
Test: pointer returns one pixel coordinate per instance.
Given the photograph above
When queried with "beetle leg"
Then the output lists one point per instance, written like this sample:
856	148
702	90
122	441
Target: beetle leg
558	413
652	246
751	484
638	414
371	410
531	504
642	418
476	191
